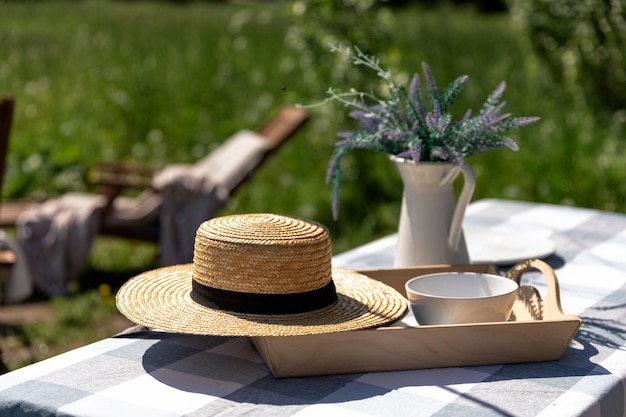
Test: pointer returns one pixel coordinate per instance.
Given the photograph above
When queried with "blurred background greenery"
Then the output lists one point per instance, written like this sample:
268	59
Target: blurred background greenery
159	82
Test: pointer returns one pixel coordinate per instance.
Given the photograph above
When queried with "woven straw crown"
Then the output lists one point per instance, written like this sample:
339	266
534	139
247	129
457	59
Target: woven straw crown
259	275
261	253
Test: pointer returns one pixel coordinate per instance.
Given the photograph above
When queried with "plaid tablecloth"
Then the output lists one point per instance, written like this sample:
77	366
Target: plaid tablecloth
159	374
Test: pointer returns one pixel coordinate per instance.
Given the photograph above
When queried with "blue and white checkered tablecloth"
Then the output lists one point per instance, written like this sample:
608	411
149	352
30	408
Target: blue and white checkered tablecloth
160	374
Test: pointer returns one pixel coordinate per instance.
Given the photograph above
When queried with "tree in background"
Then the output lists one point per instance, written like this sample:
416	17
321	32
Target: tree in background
367	24
583	42
318	24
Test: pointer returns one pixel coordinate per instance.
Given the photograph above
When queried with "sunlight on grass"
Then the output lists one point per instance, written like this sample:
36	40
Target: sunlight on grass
72	322
115	255
92	84
155	83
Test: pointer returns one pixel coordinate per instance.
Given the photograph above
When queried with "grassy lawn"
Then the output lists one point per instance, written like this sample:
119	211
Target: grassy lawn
154	83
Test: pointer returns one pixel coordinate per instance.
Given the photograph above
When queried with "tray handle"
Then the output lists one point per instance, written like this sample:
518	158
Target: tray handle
529	296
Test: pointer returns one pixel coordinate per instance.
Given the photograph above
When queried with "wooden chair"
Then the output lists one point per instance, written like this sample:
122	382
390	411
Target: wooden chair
112	180
140	220
7	257
15	279
7	104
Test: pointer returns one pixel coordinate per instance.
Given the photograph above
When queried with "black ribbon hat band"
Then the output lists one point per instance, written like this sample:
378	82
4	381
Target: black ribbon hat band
244	302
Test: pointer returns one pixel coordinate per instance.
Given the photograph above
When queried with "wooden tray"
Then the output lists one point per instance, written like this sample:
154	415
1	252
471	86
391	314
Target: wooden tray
537	331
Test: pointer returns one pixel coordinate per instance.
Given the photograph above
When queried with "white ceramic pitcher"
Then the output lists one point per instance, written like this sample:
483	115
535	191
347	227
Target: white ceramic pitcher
430	230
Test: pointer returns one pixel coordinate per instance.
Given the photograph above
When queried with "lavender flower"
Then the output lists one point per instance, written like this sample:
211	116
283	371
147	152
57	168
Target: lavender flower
403	124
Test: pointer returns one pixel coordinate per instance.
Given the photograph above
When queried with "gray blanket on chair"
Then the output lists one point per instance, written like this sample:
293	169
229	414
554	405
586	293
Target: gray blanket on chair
56	236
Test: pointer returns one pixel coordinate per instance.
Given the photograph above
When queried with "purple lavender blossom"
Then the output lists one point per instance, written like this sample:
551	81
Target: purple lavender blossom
417	124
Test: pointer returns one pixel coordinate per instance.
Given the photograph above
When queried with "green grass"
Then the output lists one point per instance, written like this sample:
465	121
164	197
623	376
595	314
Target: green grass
158	83
70	323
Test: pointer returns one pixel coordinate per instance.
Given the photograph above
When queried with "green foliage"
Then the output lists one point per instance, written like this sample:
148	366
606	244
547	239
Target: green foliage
318	24
102	81
157	83
72	322
583	43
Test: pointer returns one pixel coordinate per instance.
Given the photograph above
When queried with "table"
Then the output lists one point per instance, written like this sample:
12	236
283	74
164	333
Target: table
159	374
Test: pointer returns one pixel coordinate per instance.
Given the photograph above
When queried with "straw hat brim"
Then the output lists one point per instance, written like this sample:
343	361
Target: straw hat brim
161	299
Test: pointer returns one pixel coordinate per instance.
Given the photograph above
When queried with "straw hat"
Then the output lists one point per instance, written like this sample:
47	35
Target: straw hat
259	275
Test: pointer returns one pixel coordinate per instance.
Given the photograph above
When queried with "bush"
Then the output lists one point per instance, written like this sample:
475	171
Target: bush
318	24
583	44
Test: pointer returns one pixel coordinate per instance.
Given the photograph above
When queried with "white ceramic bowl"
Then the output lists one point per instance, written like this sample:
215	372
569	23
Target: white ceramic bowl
461	297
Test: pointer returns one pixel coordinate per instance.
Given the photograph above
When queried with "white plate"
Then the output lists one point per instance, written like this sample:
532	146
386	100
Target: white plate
506	248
